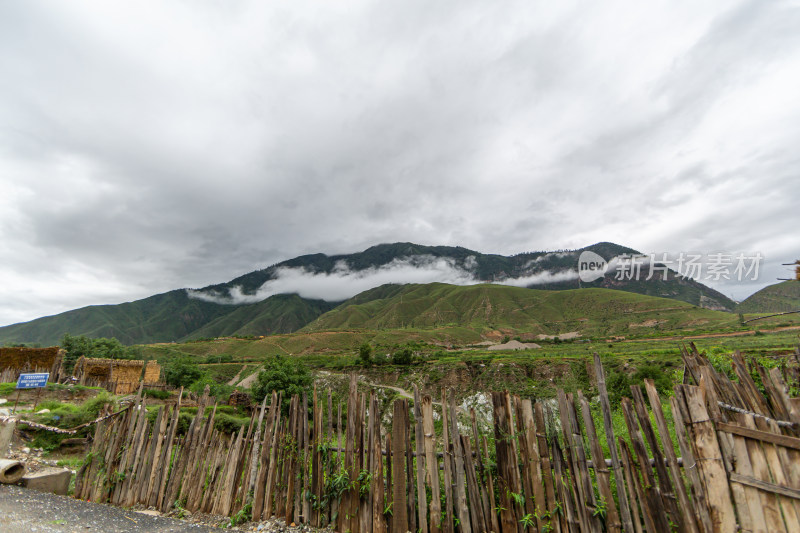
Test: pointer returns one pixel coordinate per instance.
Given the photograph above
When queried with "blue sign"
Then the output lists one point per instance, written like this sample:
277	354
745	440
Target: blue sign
32	381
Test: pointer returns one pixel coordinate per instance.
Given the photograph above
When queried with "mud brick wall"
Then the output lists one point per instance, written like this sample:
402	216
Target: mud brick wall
152	372
119	376
19	360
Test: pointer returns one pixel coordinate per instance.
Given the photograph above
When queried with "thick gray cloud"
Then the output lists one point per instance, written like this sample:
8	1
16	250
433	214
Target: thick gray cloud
150	146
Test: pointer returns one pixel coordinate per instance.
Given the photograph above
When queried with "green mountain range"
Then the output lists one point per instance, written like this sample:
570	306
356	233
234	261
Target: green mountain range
237	308
491	307
778	298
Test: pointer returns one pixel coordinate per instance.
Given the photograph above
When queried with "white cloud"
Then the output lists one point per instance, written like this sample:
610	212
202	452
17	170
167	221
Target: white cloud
541	278
343	283
239	134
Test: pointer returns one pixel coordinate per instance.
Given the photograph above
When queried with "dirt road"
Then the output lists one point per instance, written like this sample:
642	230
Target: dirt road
27	511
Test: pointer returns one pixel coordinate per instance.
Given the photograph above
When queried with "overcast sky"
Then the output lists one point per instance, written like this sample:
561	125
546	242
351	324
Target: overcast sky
146	146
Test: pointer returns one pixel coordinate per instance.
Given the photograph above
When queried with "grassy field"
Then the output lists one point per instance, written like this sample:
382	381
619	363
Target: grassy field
485	307
450	357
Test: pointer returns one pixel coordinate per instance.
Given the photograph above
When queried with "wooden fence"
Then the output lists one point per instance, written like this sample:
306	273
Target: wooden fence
540	470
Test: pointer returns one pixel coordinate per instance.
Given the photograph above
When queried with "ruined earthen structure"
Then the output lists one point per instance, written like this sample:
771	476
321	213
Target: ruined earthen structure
152	373
15	361
239	398
119	376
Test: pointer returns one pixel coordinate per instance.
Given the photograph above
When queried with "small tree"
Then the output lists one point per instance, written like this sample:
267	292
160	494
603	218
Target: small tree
365	354
282	374
76	346
182	372
403	357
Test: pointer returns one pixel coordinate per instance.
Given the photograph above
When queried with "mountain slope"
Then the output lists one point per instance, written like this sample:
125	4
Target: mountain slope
778	298
213	311
491	268
171	316
490	307
282	313
163	317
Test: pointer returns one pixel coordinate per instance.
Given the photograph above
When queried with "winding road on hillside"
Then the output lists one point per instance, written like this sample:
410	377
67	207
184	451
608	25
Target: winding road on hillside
708	335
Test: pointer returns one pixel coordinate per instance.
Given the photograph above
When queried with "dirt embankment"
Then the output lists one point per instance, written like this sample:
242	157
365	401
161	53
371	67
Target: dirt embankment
463	379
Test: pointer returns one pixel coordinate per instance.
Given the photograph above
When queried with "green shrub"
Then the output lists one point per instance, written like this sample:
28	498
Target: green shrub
93	406
219	358
158	394
403	357
182	372
227	423
184	420
282	374
76	346
220	391
49	404
619	384
365	354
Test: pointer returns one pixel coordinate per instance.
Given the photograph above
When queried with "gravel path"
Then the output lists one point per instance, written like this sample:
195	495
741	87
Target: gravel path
28	511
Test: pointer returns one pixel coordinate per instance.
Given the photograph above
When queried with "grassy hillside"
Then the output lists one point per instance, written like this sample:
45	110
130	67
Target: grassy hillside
491	307
282	313
171	316
163	317
778	298
176	316
494	268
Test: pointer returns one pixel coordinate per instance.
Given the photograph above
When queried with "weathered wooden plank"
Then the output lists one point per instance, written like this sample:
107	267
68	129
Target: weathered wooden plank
764	436
527	439
506	485
349	503
689	465
159	431
305	464
229	477
460	479
399	494
475	508
495	523
709	460
586	503
266	458
389	481
774	488
563	486
367	502
687	507
355	513
255	466
780	467
410	482
317	473
652	506
167	461
557	521
376	467
422	500
290	447
431	464
747	499
602	473
635	491
447	460
664	482
605	407
486	510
